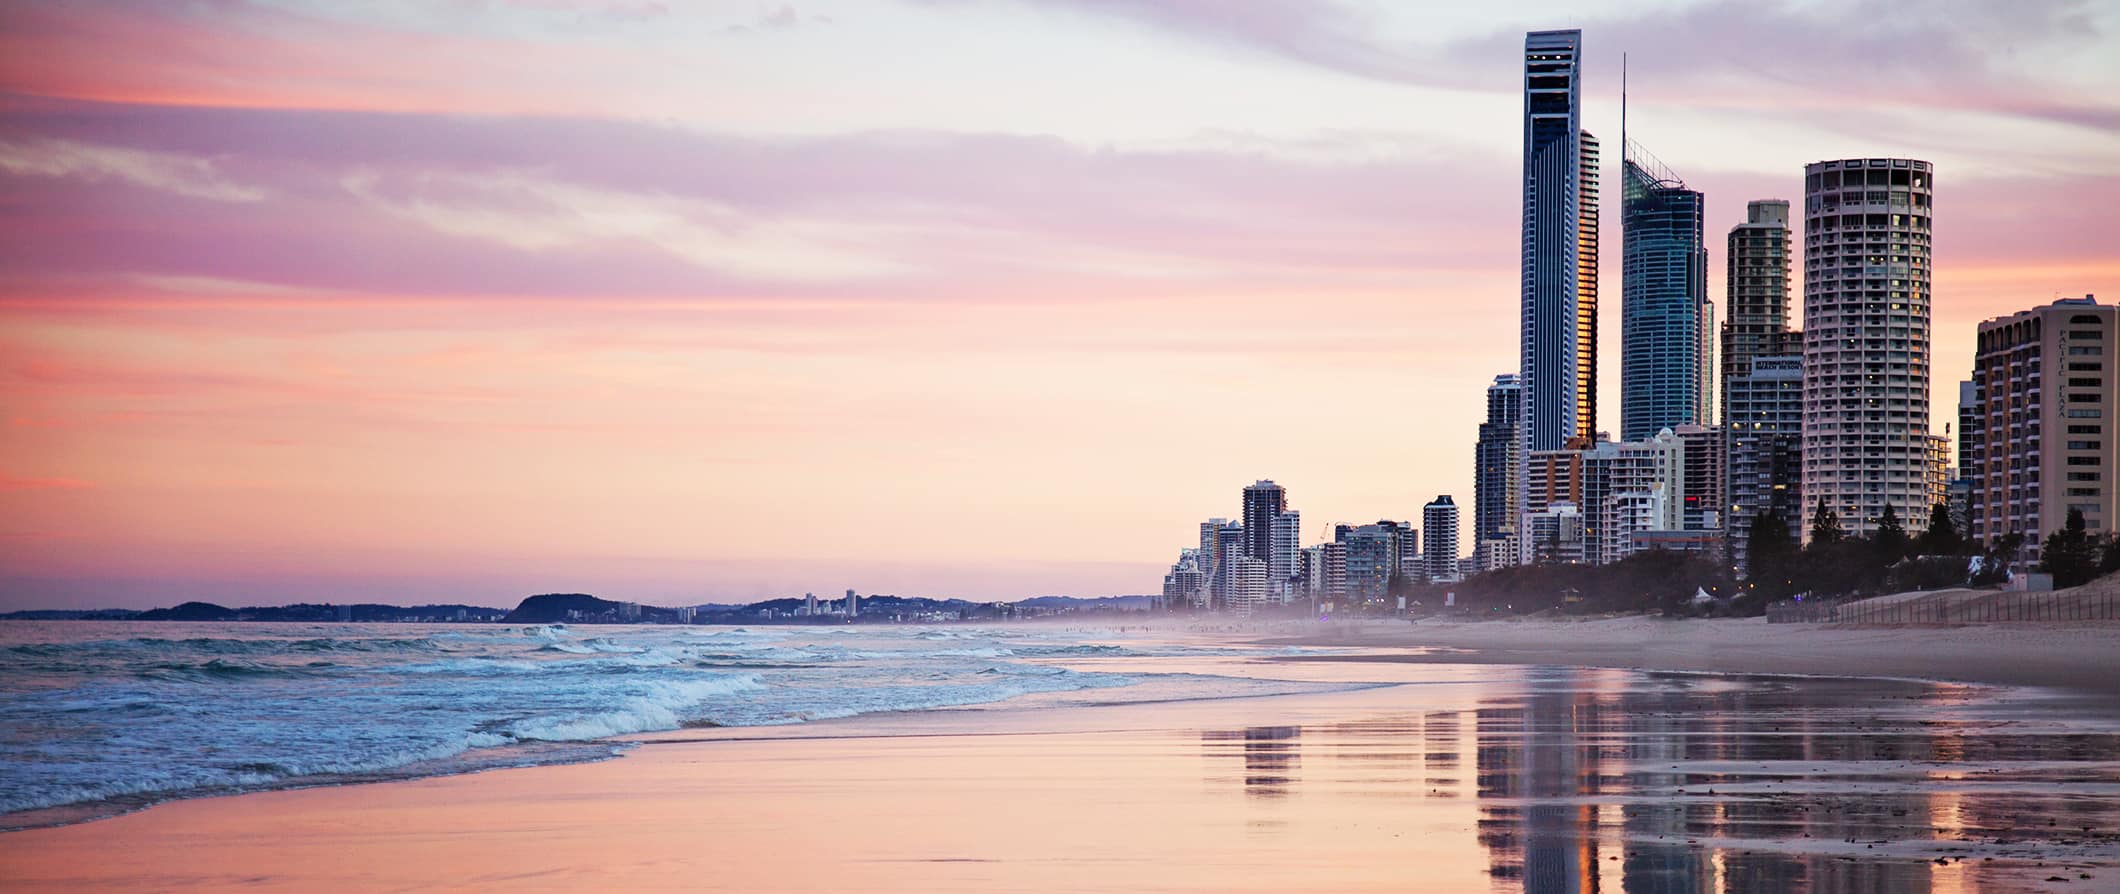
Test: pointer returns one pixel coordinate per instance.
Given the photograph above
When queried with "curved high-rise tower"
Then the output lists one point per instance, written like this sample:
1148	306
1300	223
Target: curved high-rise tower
1866	442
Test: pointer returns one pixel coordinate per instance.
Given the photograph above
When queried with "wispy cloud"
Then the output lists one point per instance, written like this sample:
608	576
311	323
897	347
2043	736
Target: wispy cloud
14	483
1964	55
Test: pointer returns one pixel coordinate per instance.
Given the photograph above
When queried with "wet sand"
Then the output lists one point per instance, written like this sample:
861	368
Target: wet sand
2083	657
1453	778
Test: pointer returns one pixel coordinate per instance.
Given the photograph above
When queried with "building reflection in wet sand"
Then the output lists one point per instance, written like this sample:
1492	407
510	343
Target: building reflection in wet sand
1606	781
1269	754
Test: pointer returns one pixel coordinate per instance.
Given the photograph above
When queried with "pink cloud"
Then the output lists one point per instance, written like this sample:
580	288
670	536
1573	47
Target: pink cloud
14	483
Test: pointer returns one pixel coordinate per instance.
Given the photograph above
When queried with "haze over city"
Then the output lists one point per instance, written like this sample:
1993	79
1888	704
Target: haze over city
727	301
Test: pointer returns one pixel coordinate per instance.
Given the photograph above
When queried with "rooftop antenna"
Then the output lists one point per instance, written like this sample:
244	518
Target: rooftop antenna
1623	111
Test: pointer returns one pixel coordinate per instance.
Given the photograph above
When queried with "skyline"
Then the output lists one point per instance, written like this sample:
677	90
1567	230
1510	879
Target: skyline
652	350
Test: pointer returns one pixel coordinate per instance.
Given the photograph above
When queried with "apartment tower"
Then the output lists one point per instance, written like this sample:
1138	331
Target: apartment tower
1866	353
2047	398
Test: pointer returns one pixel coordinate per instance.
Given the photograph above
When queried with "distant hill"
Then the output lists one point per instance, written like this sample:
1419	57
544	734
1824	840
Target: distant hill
548	608
189	611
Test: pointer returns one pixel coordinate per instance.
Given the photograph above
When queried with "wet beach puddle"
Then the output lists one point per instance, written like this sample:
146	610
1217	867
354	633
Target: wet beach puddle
1595	780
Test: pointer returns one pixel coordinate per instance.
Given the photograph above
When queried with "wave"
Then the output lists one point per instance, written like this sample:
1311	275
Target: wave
220	669
590	647
668	707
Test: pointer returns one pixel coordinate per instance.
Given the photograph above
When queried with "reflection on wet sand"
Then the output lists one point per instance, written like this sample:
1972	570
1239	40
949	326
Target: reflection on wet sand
1601	781
1269	754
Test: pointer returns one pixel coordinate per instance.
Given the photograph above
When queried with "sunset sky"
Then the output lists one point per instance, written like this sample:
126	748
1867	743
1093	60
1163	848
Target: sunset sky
680	302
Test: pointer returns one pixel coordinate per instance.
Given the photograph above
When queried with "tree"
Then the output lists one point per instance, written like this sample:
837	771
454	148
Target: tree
1942	538
1825	524
1891	538
1769	552
2110	562
2070	555
1996	561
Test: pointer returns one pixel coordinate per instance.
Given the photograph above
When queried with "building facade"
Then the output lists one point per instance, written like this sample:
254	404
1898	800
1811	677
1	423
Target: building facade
1550	365
1283	568
1666	318
1440	554
1586	289
1866	359
2047	401
1755	292
1325	573
1496	472
1263	500
1701	509
1375	554
1764	431
1247	586
1634	486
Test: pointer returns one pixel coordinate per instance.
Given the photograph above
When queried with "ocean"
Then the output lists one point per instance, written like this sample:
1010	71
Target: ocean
104	717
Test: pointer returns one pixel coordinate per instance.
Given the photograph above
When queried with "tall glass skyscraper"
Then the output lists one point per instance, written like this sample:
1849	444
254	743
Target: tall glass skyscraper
1666	319
1550	360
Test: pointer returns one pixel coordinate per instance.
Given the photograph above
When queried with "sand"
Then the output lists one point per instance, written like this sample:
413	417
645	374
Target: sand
2078	657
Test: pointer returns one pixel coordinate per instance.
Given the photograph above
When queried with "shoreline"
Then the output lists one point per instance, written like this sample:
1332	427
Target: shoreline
2083	660
1250	794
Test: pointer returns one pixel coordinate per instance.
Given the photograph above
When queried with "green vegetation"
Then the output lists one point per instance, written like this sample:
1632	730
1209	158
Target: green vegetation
1834	565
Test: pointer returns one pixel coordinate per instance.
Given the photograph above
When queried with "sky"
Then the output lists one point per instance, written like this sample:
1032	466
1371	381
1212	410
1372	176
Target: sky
722	301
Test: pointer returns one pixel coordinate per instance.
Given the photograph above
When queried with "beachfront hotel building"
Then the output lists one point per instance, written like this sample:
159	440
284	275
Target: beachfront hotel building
2047	398
1497	467
1866	359
1439	556
1666	319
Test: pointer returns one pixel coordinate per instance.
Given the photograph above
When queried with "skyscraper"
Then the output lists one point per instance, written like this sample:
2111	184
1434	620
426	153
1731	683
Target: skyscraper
1263	500
1497	466
2048	392
1283	565
1586	293
1228	547
1440	555
1756	292
1551	315
1867	223
1665	315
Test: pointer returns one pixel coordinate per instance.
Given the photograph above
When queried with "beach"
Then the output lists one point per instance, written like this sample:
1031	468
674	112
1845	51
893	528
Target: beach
1420	770
2082	658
